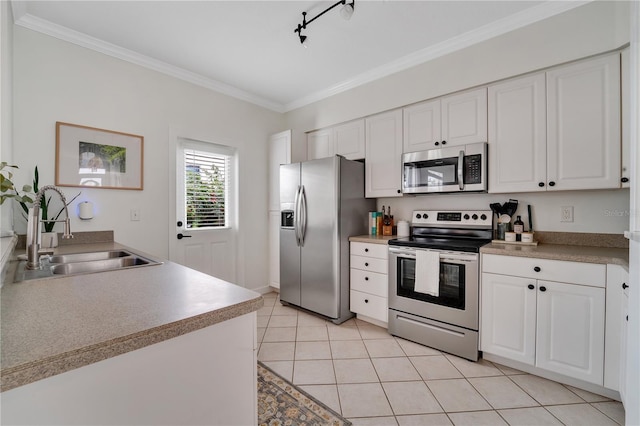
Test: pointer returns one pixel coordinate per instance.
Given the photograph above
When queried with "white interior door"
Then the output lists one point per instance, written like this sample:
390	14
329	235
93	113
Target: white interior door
203	232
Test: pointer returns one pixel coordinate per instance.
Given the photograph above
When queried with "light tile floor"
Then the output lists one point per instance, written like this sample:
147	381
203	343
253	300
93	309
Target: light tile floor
373	378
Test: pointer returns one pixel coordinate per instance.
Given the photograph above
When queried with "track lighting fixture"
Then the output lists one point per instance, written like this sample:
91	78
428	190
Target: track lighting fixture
346	11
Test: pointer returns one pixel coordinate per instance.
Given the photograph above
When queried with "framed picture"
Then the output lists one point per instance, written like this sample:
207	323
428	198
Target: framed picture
86	156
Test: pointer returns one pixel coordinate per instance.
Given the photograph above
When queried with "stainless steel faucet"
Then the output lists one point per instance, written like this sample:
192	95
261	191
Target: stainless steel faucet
33	227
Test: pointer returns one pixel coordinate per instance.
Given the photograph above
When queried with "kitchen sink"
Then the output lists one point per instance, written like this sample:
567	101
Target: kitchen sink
85	257
82	263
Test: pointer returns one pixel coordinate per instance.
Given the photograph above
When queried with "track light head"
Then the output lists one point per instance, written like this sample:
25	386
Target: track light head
347	10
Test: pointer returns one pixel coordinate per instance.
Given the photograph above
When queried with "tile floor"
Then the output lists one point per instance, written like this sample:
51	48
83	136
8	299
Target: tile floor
373	378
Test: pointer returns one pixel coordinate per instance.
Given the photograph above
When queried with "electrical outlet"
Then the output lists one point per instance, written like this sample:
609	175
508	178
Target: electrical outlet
135	214
566	214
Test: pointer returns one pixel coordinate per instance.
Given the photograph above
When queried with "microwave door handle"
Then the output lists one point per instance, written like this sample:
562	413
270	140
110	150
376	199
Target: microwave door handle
460	170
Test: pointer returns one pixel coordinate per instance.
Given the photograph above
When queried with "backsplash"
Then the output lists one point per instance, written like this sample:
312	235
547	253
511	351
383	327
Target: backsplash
598	211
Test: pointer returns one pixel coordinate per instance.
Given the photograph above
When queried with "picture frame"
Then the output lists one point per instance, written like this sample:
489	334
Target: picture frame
98	158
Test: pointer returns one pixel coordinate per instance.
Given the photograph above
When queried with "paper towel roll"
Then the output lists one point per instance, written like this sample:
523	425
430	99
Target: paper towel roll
85	210
403	228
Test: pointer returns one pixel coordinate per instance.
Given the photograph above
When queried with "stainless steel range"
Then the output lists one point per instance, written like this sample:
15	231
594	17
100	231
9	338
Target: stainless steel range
434	280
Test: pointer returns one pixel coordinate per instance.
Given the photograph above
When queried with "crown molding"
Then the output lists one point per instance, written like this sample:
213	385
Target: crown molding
34	23
486	32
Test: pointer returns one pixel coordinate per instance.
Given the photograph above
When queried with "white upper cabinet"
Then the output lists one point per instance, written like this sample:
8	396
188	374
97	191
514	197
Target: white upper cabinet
626	120
517	127
349	140
320	144
279	153
345	139
464	117
451	120
558	130
583	125
421	126
383	154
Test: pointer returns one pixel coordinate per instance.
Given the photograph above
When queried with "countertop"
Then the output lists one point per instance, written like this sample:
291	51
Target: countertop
55	325
571	252
575	253
375	239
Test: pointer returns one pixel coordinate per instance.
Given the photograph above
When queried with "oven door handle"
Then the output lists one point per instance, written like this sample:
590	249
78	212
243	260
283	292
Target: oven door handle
461	170
403	252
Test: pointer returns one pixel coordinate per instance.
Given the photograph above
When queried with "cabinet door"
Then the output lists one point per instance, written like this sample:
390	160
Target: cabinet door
617	280
421	126
274	249
320	144
383	155
349	140
626	119
279	153
570	330
583	113
517	128
623	348
508	323
464	117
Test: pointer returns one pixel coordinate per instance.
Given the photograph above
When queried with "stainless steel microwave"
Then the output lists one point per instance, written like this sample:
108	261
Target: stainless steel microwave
460	168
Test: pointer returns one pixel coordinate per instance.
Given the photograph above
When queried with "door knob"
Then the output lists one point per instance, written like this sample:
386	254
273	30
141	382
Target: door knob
181	236
537	269
531	287
625	286
543	288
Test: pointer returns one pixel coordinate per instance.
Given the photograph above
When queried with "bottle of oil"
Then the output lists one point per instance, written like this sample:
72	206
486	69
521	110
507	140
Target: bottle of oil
518	228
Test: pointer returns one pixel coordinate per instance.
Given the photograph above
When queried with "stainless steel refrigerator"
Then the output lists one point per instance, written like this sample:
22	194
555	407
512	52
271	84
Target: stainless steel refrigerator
322	204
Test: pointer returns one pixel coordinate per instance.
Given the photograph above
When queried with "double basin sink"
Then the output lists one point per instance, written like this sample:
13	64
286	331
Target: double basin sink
82	263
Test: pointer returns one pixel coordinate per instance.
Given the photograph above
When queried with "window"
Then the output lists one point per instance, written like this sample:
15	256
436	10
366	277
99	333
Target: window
206	187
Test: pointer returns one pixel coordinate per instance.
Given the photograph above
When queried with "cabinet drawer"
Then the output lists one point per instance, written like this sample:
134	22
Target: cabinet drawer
370	282
545	269
381	251
370	264
369	305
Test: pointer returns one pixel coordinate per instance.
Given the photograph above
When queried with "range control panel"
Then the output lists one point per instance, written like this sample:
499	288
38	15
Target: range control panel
474	218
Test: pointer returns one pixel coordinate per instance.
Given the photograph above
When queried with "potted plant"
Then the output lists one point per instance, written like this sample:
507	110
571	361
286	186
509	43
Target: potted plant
49	238
7	187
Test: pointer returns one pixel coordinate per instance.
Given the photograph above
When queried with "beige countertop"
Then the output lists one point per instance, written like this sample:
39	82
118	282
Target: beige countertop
375	239
575	253
54	325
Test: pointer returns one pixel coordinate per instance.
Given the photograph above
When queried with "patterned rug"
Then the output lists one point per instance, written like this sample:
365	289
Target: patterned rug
282	404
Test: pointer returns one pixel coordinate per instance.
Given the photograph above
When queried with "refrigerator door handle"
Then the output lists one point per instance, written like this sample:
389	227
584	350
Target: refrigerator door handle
303	211
296	216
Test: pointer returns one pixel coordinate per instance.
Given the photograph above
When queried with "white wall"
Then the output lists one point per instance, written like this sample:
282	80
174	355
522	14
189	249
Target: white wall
587	30
6	99
59	81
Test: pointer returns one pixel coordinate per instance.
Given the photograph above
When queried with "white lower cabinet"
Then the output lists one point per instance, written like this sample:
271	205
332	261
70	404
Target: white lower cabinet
509	317
555	326
570	330
369	281
616	329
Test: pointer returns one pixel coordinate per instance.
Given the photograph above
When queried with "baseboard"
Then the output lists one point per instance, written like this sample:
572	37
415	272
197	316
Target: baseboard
580	384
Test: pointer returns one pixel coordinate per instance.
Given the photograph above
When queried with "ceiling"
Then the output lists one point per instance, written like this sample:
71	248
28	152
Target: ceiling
248	49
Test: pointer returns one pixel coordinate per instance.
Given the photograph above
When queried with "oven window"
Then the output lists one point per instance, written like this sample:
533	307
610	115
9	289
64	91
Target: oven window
451	289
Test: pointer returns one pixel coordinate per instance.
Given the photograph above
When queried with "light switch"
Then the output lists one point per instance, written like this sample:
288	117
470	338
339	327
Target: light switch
135	214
